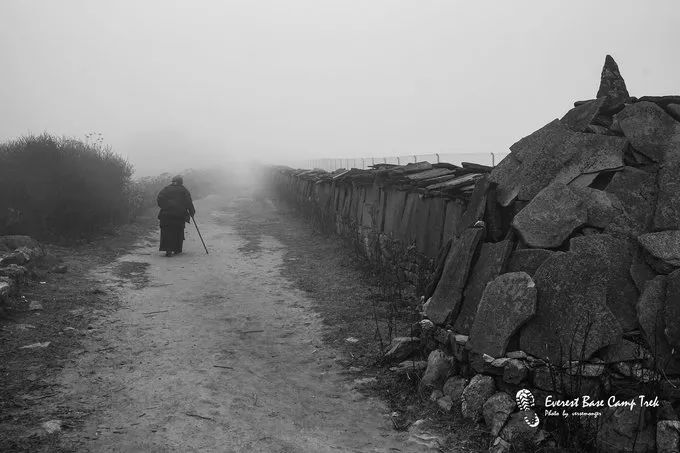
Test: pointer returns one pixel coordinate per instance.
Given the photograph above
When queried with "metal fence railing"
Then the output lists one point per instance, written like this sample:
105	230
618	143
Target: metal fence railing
329	164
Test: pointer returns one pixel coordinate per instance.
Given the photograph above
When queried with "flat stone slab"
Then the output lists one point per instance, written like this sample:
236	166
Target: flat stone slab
507	302
579	118
651	130
448	295
617	253
489	265
553	153
663	245
572	318
636	192
528	260
549	219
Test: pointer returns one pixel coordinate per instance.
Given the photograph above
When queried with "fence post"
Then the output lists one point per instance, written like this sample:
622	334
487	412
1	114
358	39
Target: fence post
493	160
398	161
415	159
437	154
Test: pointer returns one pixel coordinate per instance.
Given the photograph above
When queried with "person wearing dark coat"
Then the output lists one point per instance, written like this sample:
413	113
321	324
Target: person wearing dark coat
176	210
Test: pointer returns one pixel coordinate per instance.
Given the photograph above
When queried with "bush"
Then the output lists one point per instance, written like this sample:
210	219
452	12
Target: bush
62	187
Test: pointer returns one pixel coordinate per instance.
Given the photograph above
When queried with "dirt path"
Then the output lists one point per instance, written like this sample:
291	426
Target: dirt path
216	353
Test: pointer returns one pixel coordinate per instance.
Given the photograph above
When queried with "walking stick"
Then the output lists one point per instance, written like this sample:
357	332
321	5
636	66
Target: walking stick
199	235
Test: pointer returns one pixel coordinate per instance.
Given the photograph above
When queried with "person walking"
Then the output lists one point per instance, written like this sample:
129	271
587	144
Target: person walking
176	210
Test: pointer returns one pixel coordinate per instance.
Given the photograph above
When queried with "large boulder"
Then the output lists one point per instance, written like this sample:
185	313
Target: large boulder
636	191
439	365
572	318
580	117
489	265
622	294
506	304
663	245
448	295
550	218
553	154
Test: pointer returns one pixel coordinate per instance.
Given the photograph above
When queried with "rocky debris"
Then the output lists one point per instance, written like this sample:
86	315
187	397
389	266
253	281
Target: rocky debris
51	426
13	242
449	292
17	257
667	214
507	302
636	191
17	273
550	218
489	265
445	403
528	260
650	130
621	293
663	245
402	348
612	85
553	154
7	287
475	395
496	411
668	436
623	427
572	317
439	366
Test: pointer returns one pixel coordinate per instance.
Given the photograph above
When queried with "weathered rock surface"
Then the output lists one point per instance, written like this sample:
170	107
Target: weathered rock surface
652	320
612	84
622	294
448	295
518	433
453	388
622	428
528	260
7	287
671	310
515	371
439	365
674	111
553	154
664	245
650	130
668	436
551	217
496	411
476	393
402	348
572	316
477	204
623	351
12	242
507	302
489	265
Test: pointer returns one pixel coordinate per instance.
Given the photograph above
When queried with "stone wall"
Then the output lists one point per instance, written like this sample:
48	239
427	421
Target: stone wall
557	272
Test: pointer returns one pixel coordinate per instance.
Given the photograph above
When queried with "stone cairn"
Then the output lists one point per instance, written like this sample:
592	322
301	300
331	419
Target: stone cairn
557	272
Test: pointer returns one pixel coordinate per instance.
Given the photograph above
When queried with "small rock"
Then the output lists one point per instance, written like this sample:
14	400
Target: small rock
36	345
401	348
439	364
445	403
475	395
60	269
436	394
351	340
364	382
518	433
496	411
663	245
453	388
35	305
516	355
515	371
52	426
666	411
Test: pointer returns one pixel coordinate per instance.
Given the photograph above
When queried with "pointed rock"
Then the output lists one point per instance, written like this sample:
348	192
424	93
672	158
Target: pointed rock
612	84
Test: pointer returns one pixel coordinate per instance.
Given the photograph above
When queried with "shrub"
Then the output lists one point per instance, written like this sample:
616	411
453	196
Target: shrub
62	187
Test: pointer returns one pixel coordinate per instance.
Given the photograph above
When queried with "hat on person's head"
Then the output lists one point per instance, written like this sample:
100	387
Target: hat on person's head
177	180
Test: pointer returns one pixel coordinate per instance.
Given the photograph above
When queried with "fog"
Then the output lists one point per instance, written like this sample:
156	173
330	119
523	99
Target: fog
172	85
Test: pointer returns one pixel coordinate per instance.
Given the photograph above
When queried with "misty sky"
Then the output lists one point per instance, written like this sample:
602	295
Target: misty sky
172	85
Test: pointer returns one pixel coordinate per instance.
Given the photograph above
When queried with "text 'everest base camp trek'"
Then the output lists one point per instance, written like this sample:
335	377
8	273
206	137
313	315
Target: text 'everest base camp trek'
556	273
